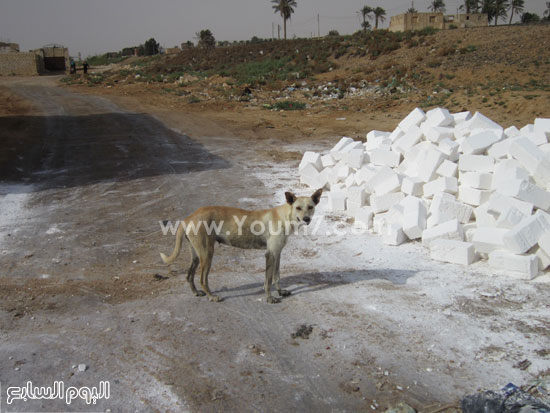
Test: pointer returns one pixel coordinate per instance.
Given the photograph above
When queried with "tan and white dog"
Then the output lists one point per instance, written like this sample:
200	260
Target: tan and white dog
264	229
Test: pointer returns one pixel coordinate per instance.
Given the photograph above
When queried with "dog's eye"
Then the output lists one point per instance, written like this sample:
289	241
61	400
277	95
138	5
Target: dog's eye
299	208
310	207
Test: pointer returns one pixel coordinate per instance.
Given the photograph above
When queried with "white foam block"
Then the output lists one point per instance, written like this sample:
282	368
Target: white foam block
337	201
498	204
412	186
381	175
312	158
309	175
448	230
511	132
483	217
520	266
381	203
443	209
542	125
526	191
543	258
450	149
407	141
510	217
428	161
363	218
439	117
438	133
480	121
486	239
392	234
532	159
453	251
479	142
341	144
500	149
355	158
461	117
544	242
327	160
357	194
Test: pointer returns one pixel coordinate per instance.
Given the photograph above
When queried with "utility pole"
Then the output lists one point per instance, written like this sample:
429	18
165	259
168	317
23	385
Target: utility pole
272	31
318	26
279	31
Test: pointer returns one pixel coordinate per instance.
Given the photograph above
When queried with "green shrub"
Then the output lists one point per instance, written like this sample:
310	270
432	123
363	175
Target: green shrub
289	105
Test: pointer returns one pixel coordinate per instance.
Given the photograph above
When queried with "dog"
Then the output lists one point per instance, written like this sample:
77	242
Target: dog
260	229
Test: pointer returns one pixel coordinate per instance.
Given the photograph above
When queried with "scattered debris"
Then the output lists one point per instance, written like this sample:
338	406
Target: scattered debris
401	408
509	399
159	277
522	365
303	332
82	367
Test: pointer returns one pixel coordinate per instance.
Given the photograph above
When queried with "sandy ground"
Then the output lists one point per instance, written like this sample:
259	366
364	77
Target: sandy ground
85	181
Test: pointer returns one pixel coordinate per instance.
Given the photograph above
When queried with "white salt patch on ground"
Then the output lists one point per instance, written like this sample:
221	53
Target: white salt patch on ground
12	202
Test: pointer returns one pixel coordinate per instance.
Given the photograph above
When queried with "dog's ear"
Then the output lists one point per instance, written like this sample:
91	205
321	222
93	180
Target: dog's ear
316	197
290	197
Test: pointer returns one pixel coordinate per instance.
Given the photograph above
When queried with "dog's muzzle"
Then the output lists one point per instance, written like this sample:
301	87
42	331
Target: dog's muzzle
307	220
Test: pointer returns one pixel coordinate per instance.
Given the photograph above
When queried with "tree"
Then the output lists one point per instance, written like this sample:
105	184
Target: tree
151	47
527	18
516	6
366	12
470	6
285	8
411	10
379	16
206	39
495	9
437	6
500	9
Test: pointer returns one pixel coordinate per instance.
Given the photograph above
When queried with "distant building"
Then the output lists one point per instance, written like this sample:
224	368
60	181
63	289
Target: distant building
9	47
417	21
49	58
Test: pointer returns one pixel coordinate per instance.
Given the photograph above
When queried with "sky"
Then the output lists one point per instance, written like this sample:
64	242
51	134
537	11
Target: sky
93	27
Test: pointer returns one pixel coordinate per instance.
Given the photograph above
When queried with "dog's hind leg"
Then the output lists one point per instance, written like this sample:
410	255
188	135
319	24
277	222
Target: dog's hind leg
277	277
206	262
191	272
270	264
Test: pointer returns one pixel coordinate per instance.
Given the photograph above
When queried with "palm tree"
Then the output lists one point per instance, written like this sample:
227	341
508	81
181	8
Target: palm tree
437	6
470	6
366	13
285	8
500	9
516	6
379	16
411	10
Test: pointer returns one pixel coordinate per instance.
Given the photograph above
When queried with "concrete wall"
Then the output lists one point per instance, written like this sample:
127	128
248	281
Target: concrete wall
19	64
418	21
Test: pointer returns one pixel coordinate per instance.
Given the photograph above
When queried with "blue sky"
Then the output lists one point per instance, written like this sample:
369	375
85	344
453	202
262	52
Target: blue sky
98	26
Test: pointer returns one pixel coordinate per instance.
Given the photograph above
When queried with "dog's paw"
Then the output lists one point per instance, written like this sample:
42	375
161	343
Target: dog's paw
284	293
215	298
200	293
273	300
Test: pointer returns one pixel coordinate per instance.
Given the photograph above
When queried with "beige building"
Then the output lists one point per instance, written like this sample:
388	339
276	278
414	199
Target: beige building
51	58
417	21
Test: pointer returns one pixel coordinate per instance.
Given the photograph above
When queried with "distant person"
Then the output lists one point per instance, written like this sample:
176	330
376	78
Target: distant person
85	67
73	66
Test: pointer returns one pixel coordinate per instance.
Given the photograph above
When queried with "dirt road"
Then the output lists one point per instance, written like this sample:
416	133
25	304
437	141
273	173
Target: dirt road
84	184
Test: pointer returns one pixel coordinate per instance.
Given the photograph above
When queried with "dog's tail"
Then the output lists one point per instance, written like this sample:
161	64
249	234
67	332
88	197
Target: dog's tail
179	236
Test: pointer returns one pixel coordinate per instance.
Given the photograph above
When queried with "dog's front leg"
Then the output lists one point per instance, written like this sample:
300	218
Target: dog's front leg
270	264
277	277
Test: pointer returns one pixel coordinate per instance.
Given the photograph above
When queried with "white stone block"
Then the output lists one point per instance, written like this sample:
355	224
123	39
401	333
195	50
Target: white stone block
447	169
532	159
478	143
479	121
407	141
483	217
529	128
381	203
414	118
343	172
438	133
499	203
500	149
488	239
444	208
439	117
337	201
511	132
510	217
461	117
526	234
312	158
542	125
453	251
443	184
478	180
355	158
519	266
448	230
392	234
543	258
353	207
544	242
374	134
343	154
327	161
538	138
364	174
450	149
412	186
381	175
309	175
357	194
350	180
507	170
472	196
341	144
414	217
385	157
391	184
476	163
396	134
378	223
363	218
428	161
377	142
526	191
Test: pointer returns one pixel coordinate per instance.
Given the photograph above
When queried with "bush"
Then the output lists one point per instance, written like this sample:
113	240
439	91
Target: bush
333	33
289	105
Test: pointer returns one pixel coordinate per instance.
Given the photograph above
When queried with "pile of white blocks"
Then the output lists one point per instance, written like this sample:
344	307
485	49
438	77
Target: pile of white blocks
462	184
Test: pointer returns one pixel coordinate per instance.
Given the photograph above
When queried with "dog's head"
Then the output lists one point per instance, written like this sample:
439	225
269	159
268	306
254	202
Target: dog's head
303	207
